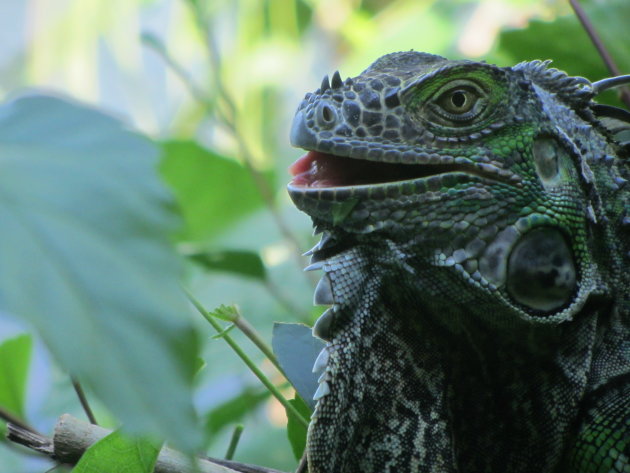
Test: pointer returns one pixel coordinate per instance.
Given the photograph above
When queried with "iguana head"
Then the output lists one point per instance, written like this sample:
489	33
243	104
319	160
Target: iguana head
477	169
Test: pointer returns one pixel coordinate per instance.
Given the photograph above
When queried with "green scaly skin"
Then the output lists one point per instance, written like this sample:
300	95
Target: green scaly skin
476	232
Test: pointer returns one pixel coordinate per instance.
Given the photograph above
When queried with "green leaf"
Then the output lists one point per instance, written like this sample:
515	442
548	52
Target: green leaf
229	313
86	258
235	409
244	263
15	356
297	350
117	452
565	41
295	429
213	191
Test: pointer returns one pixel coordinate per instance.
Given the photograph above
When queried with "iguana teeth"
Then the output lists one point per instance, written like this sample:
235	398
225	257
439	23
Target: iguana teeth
323	292
321	361
321	329
314	266
335	81
322	390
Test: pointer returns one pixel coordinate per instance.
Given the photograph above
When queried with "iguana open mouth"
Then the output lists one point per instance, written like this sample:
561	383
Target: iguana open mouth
317	169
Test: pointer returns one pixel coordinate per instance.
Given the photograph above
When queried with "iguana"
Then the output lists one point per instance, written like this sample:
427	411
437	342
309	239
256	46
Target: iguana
475	246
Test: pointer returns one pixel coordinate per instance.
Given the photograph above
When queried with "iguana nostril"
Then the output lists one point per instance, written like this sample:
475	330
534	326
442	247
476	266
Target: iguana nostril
326	115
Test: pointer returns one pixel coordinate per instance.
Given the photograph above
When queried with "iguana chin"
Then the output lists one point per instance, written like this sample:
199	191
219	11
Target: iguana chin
475	246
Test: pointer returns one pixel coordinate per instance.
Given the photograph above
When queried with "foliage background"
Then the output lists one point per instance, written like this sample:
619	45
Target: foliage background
115	56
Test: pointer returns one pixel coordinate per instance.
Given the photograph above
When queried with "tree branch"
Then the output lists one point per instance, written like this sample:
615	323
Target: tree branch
599	45
72	437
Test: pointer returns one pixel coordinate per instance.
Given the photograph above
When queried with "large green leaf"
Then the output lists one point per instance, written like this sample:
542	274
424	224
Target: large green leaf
213	191
15	356
86	258
297	349
118	453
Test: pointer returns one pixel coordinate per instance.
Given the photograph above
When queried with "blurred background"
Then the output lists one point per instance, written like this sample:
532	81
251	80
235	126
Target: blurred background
215	85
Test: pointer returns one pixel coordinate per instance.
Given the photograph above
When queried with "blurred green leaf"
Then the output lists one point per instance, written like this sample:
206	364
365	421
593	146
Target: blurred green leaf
15	356
86	258
304	14
244	263
213	191
297	350
565	41
235	409
117	452
295	429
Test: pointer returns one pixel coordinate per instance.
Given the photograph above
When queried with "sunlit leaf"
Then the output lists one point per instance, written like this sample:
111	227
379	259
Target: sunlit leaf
295	429
297	349
244	263
213	191
117	452
15	356
86	258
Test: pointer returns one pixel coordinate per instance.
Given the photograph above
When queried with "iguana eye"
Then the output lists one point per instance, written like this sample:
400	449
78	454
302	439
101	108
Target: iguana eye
459	103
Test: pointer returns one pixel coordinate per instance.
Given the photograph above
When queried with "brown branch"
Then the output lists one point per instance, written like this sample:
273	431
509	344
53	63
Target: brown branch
600	46
72	437
12	419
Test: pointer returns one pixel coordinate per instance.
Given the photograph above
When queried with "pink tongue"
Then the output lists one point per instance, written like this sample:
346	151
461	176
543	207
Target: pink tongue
316	169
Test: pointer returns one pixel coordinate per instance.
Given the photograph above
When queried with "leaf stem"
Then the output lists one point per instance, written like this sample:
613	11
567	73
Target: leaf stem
236	436
250	364
250	332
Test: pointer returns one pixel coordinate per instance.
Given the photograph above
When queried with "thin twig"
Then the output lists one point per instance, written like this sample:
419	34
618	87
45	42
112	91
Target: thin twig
600	46
230	119
83	400
250	364
267	195
196	92
13	419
